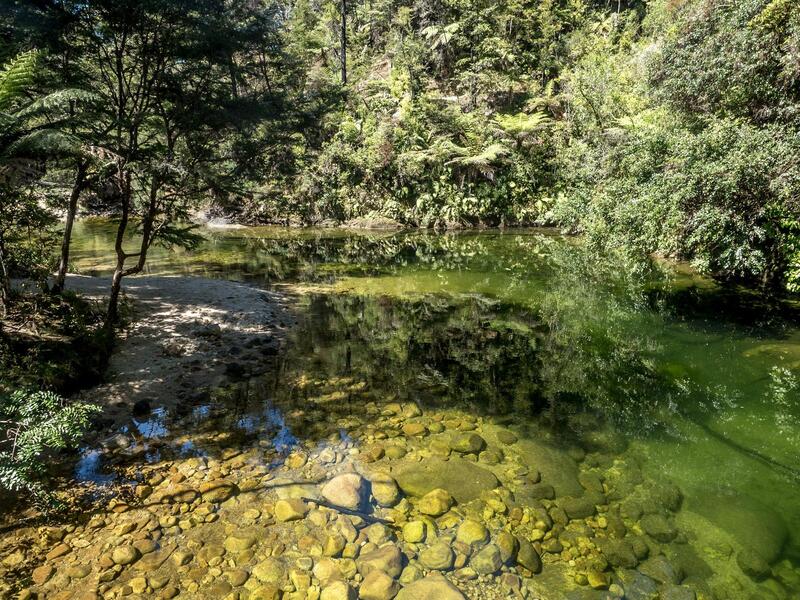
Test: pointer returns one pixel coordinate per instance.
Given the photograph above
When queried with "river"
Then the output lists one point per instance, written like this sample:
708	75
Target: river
692	383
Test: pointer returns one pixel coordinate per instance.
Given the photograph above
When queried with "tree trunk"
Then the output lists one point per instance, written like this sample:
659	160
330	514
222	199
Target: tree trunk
77	188
112	316
344	42
5	283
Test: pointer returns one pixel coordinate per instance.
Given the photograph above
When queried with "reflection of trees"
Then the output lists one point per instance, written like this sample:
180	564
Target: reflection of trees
471	350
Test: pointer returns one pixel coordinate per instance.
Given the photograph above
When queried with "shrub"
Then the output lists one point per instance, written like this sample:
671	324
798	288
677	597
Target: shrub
35	424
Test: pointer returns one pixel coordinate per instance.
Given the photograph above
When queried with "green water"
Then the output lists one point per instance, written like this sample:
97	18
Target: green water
696	382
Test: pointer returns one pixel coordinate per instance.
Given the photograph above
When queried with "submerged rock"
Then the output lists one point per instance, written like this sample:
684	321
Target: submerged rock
435	503
753	524
472	533
439	557
557	468
290	510
346	490
464	480
528	557
388	559
659	528
488	561
753	564
218	490
384	489
432	587
378	586
467	443
337	590
125	555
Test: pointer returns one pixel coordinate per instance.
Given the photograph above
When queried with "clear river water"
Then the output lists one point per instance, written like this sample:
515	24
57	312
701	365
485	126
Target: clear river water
695	383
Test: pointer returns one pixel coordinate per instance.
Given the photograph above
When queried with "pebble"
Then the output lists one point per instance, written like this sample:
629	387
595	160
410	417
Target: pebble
377	585
435	503
125	555
292	509
439	557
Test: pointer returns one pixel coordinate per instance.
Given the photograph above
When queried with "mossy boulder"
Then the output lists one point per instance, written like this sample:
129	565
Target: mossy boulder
464	480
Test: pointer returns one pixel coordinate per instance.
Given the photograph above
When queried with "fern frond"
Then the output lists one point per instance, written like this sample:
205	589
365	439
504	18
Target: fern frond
45	143
16	77
57	102
521	125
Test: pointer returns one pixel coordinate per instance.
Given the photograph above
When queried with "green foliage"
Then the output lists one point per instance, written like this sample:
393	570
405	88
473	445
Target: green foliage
681	140
35	424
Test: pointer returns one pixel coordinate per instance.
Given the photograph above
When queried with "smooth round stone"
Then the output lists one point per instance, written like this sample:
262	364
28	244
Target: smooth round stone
395	452
125	555
578	508
415	429
436	502
338	590
292	509
237	577
467	443
439	557
385	490
414	532
345	490
488	561
528	557
42	575
472	532
377	585
508	546
432	587
238	544
217	491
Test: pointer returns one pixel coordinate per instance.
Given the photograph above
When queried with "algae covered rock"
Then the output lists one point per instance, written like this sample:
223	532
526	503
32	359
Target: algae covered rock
467	443
753	524
472	533
558	469
464	480
488	561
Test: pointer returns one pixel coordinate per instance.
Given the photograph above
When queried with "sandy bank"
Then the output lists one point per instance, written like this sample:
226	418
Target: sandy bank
185	334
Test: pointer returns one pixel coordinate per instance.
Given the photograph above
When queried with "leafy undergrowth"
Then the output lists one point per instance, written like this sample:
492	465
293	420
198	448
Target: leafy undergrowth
52	342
